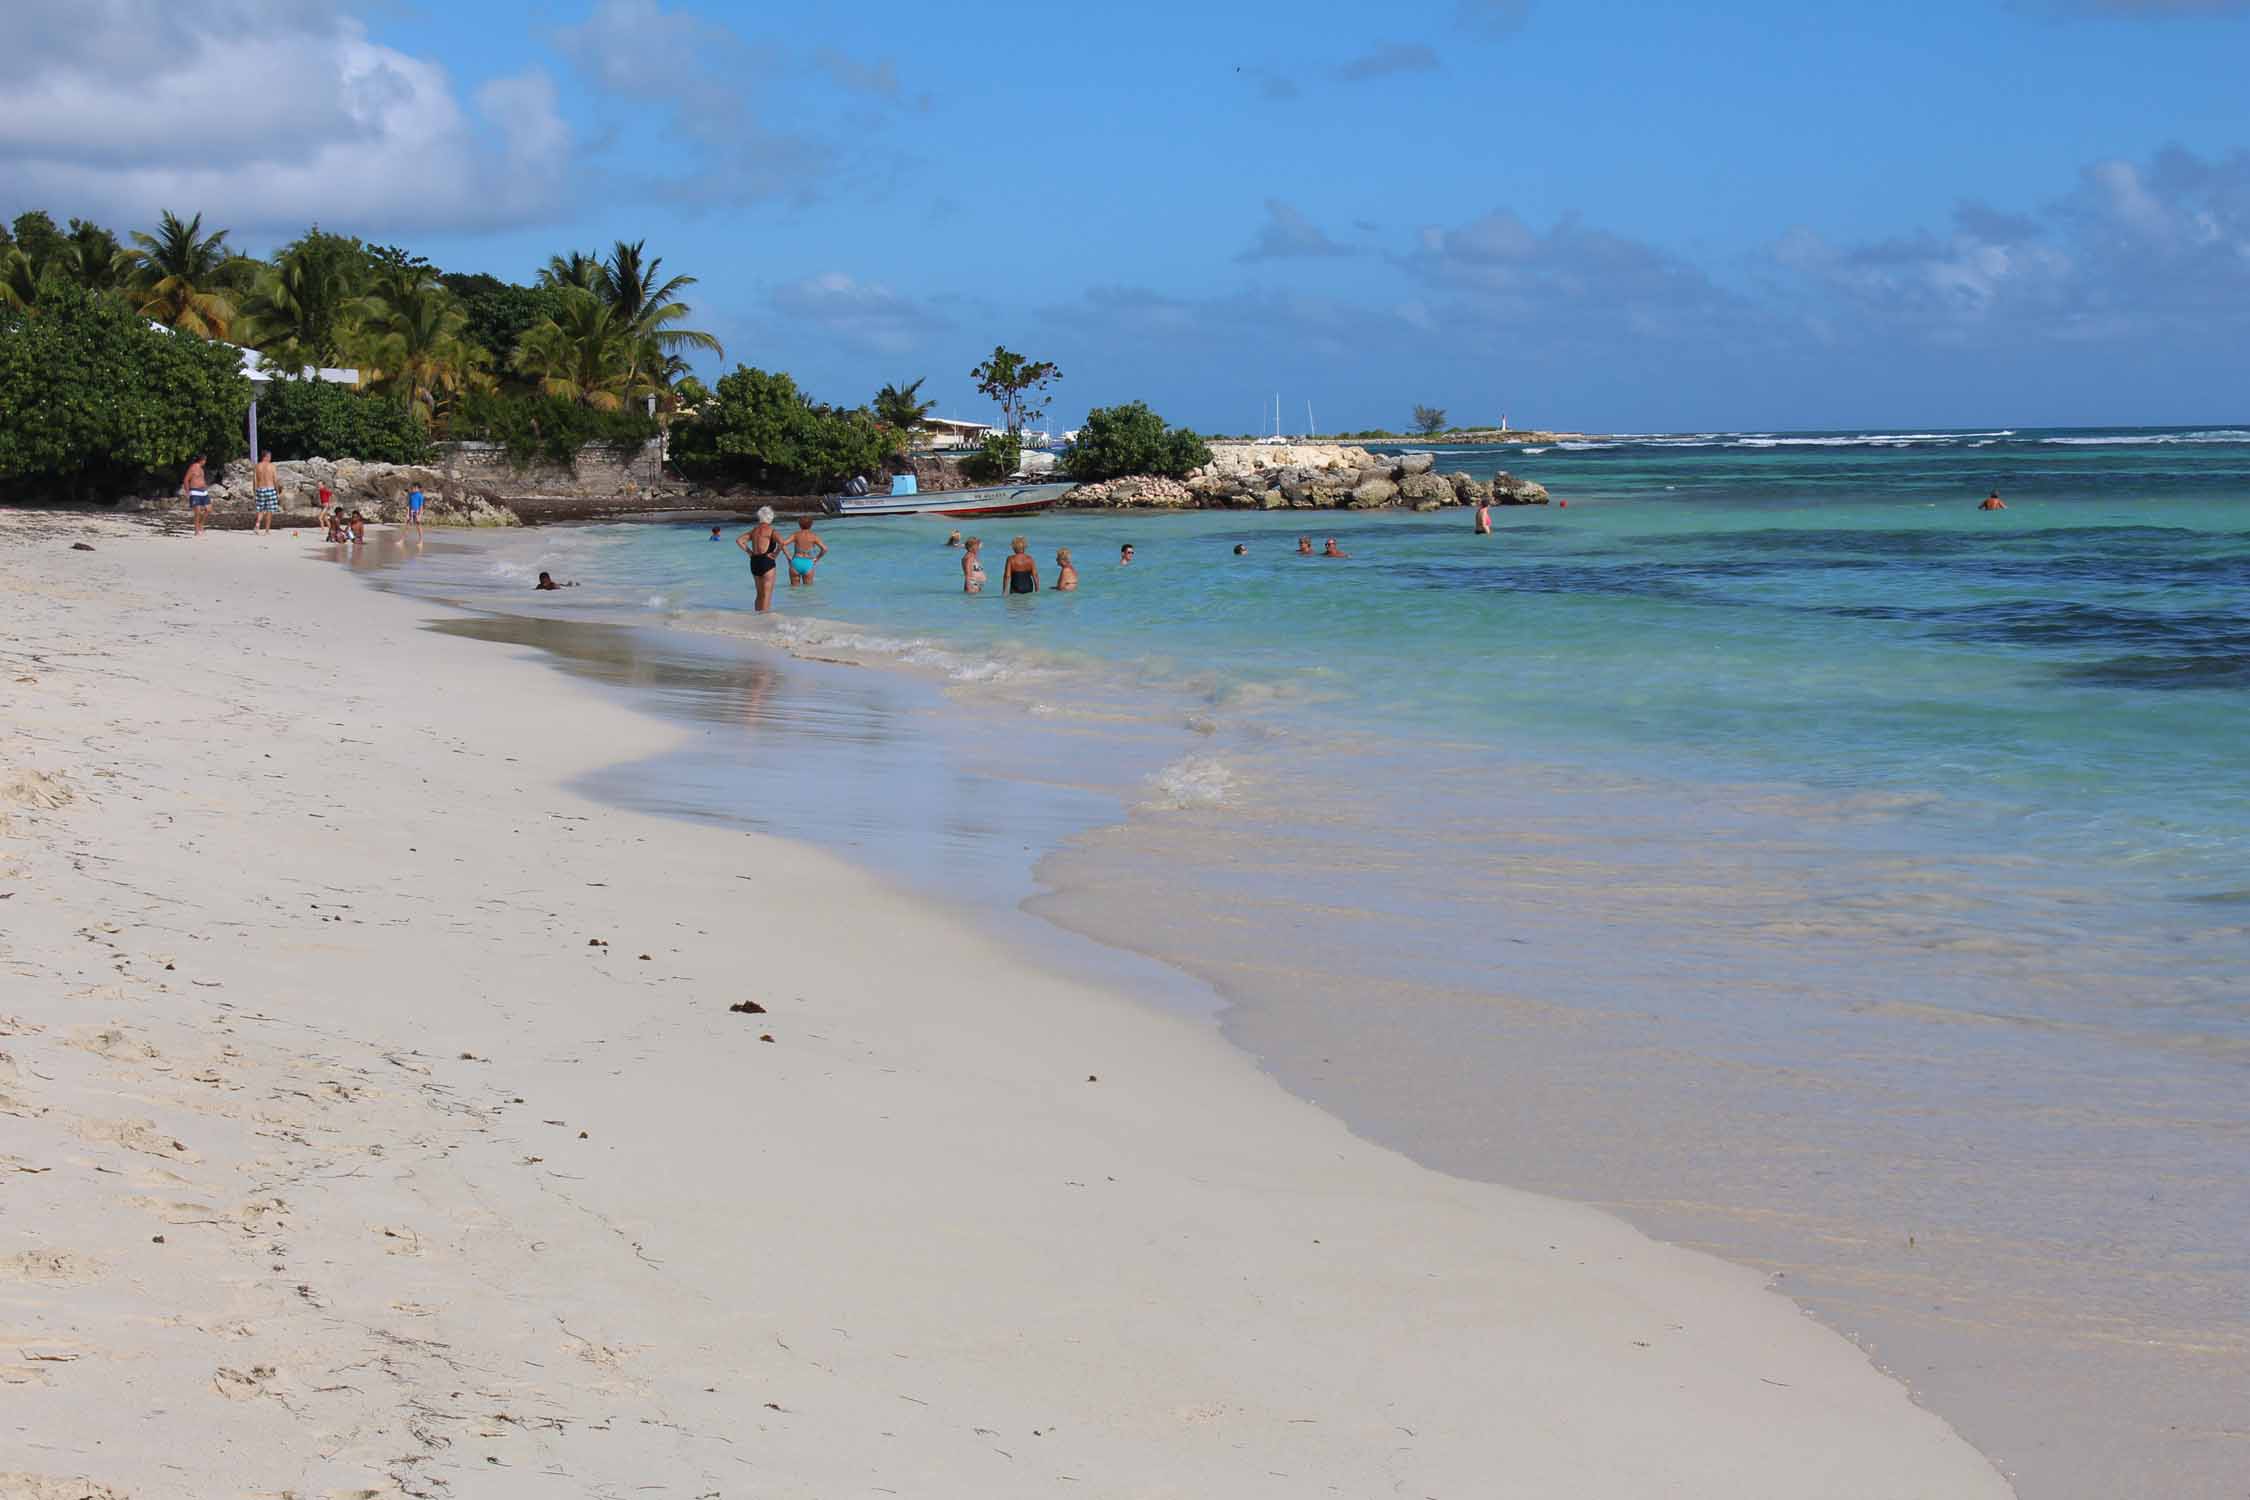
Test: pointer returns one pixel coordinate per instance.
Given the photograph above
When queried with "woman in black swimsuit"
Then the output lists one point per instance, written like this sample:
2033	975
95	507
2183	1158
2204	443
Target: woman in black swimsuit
762	545
1021	571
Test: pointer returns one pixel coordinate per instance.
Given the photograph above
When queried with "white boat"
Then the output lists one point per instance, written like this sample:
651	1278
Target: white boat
1013	499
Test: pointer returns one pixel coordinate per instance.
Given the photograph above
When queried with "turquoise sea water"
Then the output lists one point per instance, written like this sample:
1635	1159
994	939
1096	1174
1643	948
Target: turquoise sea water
1769	844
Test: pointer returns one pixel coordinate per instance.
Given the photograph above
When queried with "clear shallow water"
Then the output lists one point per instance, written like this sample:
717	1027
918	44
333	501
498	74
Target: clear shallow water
1770	844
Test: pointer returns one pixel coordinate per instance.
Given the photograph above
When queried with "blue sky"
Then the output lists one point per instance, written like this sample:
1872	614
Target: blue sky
1613	216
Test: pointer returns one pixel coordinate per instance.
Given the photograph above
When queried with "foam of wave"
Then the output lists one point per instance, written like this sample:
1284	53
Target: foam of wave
2153	439
1192	781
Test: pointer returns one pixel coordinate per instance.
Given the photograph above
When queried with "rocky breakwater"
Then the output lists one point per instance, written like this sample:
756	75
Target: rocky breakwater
377	491
1307	476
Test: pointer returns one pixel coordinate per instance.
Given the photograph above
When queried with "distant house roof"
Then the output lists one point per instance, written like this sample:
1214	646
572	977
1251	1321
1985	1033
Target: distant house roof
955	424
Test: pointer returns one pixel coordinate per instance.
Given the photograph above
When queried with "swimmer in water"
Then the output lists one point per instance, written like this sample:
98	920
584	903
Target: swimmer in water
953	540
546	583
714	533
1020	571
1304	546
1993	502
1240	550
972	566
1125	554
1332	550
1066	574
1484	518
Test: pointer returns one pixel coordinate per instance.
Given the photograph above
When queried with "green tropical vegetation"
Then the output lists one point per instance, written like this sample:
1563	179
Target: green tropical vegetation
1429	420
95	397
588	350
1132	439
995	459
320	419
759	428
902	409
1017	384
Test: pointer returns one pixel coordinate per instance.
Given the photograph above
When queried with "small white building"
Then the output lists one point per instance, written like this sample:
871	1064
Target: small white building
951	432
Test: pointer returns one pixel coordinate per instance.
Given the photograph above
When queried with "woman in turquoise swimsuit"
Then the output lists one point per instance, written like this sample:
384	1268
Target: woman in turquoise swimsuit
806	549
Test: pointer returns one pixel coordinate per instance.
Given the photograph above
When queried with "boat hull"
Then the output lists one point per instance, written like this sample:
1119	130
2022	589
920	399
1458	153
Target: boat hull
991	500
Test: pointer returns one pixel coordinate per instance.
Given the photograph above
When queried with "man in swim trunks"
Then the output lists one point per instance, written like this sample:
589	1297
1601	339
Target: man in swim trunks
266	480
1993	502
198	492
762	545
415	500
806	549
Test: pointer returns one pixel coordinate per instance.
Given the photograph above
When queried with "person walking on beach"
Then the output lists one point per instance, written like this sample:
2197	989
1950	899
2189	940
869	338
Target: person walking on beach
415	500
1993	502
1021	570
972	566
1066	574
762	545
806	549
198	492
1484	518
266	481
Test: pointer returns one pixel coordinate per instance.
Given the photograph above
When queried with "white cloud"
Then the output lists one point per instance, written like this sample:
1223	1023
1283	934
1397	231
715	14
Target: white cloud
1287	234
263	116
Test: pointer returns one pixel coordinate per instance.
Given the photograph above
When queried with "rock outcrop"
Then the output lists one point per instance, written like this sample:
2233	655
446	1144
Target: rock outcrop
1308	476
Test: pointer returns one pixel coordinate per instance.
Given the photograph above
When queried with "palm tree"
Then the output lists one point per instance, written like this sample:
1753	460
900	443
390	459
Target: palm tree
577	268
19	280
647	306
900	408
415	343
305	307
87	257
582	352
175	276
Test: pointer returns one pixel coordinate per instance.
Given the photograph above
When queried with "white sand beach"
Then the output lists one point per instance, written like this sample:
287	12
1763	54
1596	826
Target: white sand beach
373	1120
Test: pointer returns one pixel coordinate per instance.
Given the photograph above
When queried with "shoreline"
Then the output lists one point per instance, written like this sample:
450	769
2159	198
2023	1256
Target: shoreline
1001	1319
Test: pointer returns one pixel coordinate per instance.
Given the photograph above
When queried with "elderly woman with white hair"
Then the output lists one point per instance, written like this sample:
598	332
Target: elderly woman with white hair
762	545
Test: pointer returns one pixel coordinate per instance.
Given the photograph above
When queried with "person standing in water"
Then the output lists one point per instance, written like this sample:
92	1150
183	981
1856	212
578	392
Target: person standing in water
266	481
1332	550
806	549
972	566
1020	573
953	539
762	545
198	492
1993	502
1484	518
1066	575
1125	554
1304	546
415	500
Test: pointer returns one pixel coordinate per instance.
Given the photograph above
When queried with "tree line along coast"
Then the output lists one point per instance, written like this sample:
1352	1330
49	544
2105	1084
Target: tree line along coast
121	361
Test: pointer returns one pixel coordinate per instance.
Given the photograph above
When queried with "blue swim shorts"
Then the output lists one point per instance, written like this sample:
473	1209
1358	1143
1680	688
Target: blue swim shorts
198	498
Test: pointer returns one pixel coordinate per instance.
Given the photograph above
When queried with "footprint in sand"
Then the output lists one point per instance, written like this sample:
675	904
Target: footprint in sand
54	1266
242	1385
137	1135
53	1487
113	1042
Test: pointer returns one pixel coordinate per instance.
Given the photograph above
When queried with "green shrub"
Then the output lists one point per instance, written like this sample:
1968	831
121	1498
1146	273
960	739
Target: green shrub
317	419
93	399
1131	439
996	458
551	429
758	428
